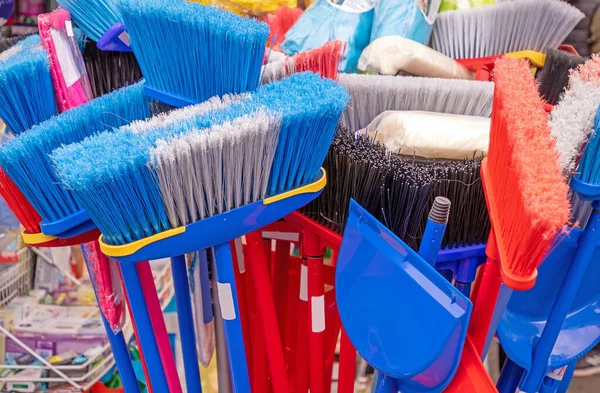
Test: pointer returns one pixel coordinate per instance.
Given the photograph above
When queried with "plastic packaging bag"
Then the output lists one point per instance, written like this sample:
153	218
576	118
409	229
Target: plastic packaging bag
449	5
411	19
323	21
203	312
431	134
392	55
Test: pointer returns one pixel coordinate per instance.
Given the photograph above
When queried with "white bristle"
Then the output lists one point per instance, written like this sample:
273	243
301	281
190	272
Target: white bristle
508	26
207	172
276	70
572	121
7	54
373	95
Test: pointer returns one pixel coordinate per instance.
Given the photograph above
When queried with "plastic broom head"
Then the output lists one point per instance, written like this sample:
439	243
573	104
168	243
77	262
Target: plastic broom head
525	191
20	206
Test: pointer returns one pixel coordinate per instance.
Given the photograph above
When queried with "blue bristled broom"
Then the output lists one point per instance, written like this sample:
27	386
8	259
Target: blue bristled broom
26	93
197	165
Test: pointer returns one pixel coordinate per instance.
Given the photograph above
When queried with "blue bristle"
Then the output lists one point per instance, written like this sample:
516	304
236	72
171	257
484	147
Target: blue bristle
193	51
26	158
589	166
26	92
94	17
111	177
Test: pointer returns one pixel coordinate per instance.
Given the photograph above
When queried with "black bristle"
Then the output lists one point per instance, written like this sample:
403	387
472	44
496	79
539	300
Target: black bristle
6	43
554	76
109	71
399	191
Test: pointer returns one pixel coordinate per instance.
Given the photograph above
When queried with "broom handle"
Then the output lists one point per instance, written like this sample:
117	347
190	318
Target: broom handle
385	384
510	377
563	302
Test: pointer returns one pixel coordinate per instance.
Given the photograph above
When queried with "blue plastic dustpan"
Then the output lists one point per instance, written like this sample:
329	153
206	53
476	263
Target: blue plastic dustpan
527	311
402	316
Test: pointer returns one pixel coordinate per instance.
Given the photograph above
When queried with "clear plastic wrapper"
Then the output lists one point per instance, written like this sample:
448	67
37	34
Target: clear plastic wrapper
202	301
393	55
325	21
431	134
411	19
106	279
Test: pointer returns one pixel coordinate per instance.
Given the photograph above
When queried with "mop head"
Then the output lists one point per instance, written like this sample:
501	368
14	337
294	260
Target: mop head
26	157
94	17
203	160
554	76
226	59
26	93
373	95
507	26
525	183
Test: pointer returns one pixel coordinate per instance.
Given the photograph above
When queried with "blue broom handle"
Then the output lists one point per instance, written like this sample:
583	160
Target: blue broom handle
230	312
187	330
510	377
563	302
501	303
118	345
385	384
143	325
566	381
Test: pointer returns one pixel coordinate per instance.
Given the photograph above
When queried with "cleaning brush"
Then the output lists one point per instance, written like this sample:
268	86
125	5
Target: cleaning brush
554	76
25	158
109	71
19	205
227	60
280	22
94	17
26	93
507	26
373	95
6	43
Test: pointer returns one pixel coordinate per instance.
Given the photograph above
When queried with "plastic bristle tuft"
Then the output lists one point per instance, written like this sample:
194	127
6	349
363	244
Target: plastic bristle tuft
26	158
374	94
225	59
507	26
26	92
554	76
526	189
589	166
139	180
94	17
7	43
19	205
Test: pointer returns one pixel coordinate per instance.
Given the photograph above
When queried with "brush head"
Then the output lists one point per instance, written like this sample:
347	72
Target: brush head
507	26
26	92
280	22
7	43
26	157
19	205
227	60
94	17
373	95
189	164
109	71
554	76
525	190
400	191
589	166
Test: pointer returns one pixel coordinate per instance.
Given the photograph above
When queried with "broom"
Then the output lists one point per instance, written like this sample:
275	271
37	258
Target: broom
554	76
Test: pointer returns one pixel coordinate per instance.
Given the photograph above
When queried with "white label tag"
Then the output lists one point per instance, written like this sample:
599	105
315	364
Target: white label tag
287	236
354	6
304	283
318	313
557	374
69	28
66	61
124	37
226	301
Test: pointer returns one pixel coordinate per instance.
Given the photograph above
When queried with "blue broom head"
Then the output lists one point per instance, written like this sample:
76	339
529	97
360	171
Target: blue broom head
193	163
94	17
26	158
589	165
193	51
26	92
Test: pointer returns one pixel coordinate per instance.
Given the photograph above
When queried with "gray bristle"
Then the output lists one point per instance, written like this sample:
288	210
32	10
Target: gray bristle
193	181
277	70
374	94
507	26
554	76
440	211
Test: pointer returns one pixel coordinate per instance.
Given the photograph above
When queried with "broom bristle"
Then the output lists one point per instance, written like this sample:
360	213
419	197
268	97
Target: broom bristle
7	43
109	71
94	17
373	95
554	76
507	26
19	205
529	197
280	22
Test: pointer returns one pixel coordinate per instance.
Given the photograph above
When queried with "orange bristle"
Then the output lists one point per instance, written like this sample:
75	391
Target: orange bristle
280	22
323	60
20	206
525	188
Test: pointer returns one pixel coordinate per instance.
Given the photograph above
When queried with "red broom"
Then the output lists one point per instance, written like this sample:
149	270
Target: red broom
525	191
20	206
280	22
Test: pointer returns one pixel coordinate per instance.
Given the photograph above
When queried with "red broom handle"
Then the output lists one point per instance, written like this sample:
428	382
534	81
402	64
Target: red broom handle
265	303
301	374
347	366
